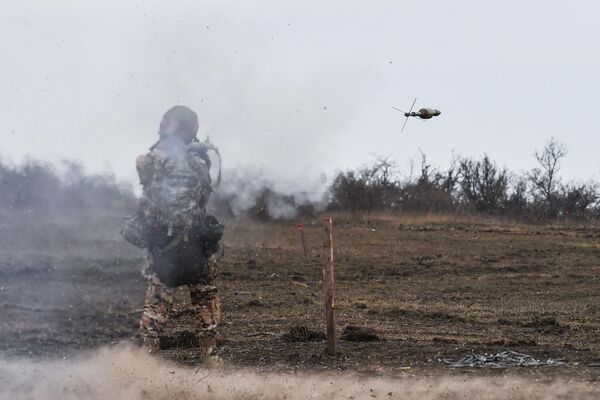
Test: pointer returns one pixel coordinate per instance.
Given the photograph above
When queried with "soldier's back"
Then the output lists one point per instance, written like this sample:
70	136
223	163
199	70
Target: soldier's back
177	191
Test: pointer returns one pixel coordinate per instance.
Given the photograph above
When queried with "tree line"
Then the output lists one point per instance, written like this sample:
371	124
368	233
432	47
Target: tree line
469	185
37	186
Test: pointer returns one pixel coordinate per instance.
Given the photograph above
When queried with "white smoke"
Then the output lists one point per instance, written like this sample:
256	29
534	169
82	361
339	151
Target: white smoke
249	188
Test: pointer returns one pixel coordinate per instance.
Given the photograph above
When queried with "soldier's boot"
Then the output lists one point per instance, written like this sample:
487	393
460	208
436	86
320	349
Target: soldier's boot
205	300
151	344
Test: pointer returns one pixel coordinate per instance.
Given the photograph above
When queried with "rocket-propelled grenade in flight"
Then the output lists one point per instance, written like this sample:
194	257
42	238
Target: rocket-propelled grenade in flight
423	113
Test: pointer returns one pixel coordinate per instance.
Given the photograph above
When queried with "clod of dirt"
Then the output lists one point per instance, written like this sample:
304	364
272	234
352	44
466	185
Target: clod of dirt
179	340
547	326
298	278
513	342
303	334
251	263
396	312
255	303
444	340
353	333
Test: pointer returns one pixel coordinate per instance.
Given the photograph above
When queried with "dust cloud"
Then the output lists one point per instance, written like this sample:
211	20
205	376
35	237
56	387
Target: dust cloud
125	372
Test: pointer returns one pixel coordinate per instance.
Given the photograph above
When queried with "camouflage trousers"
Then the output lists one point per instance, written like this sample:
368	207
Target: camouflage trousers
158	304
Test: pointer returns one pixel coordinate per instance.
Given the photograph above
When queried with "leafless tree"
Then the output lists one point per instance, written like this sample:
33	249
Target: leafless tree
383	169
370	188
544	179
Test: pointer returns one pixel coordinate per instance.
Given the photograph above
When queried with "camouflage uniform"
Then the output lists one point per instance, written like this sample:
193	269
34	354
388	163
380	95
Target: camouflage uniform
176	187
159	299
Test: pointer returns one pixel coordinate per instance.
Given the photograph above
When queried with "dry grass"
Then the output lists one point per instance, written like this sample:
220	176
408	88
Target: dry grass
420	218
432	285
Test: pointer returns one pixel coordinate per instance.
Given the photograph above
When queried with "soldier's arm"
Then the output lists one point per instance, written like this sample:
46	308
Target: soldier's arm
202	173
197	161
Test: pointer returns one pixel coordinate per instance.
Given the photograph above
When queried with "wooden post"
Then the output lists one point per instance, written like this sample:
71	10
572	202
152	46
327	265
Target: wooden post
329	286
300	227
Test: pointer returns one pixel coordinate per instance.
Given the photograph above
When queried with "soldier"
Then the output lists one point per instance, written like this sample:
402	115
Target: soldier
173	225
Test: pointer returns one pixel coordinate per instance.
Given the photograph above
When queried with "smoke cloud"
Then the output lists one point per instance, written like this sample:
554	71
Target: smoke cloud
249	192
264	105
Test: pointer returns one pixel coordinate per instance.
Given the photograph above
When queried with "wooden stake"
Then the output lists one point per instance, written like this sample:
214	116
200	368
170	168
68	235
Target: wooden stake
329	286
300	227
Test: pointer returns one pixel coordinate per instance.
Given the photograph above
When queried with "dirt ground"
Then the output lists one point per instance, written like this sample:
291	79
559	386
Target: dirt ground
428	287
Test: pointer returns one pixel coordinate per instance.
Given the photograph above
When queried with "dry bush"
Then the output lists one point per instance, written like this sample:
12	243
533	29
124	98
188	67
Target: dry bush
468	186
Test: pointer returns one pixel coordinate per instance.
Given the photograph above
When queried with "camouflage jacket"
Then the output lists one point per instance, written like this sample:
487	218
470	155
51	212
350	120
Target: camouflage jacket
176	183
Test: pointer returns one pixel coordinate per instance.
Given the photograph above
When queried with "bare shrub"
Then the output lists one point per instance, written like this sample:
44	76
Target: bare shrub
577	200
516	202
483	185
368	189
433	190
38	186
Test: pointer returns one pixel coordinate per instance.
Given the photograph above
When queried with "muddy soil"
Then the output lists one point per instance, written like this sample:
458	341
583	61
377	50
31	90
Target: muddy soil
424	288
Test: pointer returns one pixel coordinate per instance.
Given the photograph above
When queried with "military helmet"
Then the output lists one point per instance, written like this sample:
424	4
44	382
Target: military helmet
179	121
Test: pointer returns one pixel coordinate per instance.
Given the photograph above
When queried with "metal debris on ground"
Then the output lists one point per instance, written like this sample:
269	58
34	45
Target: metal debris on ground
503	359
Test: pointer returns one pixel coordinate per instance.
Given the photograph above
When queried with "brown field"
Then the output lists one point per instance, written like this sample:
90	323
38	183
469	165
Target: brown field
430	286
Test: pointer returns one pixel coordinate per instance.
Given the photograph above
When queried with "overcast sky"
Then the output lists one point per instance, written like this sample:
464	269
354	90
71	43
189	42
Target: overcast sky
297	89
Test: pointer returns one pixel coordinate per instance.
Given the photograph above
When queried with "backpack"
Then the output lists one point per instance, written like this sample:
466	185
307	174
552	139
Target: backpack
172	221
